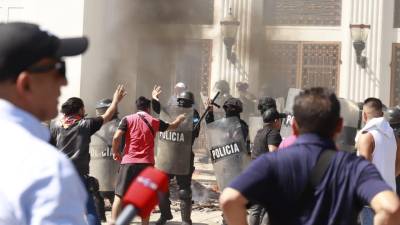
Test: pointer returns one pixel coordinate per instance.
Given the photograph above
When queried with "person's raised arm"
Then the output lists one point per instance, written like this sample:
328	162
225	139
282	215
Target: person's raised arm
118	95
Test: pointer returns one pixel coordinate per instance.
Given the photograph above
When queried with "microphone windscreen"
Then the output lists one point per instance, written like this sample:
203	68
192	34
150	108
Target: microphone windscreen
143	191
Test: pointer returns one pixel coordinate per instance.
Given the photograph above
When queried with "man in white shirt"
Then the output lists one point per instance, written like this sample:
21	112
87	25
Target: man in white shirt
377	143
38	184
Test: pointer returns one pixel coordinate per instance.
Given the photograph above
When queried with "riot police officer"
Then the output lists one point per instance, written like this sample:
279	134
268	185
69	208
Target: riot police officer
175	156
229	142
233	107
102	166
221	86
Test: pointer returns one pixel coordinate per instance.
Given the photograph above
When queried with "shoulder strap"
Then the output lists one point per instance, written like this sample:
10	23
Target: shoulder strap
321	166
147	123
317	173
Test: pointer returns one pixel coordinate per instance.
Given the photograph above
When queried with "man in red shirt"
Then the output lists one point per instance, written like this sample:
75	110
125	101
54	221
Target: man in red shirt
139	130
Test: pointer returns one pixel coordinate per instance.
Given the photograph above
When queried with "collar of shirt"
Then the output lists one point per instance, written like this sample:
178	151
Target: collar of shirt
310	138
142	112
13	114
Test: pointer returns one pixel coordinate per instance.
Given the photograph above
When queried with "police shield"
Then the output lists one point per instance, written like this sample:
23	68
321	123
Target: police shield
102	165
175	146
227	149
351	114
286	128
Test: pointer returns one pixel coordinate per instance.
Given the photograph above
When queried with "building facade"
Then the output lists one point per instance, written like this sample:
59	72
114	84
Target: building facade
279	44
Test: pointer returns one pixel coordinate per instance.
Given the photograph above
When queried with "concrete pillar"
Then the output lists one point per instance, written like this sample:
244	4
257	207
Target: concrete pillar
112	54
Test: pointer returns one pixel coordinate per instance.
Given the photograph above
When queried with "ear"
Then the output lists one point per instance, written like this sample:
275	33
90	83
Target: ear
295	127
339	126
23	84
364	116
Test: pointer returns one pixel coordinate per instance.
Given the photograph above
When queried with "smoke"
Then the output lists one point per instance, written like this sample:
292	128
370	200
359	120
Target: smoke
141	43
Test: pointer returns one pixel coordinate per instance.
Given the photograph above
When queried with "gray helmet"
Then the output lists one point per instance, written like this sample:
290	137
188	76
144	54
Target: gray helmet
187	97
223	86
392	115
104	103
233	105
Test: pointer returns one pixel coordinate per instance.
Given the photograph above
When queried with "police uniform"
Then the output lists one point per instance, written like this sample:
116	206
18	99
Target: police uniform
185	100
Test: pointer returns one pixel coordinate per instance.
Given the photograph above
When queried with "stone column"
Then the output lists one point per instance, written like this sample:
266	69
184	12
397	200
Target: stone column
374	81
243	11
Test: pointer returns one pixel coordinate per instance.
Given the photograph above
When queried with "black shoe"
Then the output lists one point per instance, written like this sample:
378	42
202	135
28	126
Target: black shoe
163	219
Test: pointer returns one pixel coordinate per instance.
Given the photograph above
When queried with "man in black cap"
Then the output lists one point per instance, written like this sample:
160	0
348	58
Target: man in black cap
39	185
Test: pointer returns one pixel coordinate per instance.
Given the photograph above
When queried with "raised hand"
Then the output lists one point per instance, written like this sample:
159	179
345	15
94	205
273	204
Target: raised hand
156	92
119	93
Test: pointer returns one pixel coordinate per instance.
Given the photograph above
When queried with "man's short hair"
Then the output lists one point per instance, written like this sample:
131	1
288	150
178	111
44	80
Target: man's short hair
142	103
72	106
374	103
317	110
24	44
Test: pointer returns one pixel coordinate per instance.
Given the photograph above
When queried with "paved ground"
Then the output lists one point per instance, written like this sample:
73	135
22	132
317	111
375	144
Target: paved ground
205	196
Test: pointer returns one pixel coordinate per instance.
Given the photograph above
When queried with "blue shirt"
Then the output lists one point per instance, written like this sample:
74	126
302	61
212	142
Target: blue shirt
277	180
38	184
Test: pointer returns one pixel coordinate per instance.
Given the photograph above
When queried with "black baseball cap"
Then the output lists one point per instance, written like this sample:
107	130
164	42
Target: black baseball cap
23	44
272	114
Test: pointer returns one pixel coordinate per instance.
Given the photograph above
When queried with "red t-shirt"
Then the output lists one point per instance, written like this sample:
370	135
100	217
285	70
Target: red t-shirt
139	139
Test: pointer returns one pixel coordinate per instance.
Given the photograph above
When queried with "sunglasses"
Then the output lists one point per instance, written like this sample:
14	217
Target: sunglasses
58	66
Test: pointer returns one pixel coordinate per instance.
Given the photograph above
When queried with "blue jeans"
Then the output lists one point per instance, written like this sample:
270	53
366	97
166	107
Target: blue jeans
367	216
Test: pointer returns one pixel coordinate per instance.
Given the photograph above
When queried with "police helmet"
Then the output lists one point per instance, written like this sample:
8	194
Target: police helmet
265	103
392	115
186	97
233	105
104	103
223	86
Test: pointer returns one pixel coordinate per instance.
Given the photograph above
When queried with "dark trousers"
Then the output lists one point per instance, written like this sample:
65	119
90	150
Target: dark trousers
257	215
92	217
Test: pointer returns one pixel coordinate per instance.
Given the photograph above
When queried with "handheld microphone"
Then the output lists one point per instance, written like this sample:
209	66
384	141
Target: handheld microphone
142	195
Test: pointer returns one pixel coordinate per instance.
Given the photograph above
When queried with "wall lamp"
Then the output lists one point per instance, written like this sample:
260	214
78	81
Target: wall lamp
229	28
359	35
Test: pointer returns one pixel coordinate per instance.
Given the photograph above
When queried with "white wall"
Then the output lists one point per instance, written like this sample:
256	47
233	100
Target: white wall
63	18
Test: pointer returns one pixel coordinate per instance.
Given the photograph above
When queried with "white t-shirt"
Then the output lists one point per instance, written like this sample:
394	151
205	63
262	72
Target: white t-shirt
384	154
38	184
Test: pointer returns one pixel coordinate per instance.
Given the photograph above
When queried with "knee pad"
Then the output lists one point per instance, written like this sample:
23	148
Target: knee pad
185	194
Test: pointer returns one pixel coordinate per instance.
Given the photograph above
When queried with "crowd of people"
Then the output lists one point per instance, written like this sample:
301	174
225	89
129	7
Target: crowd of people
304	179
